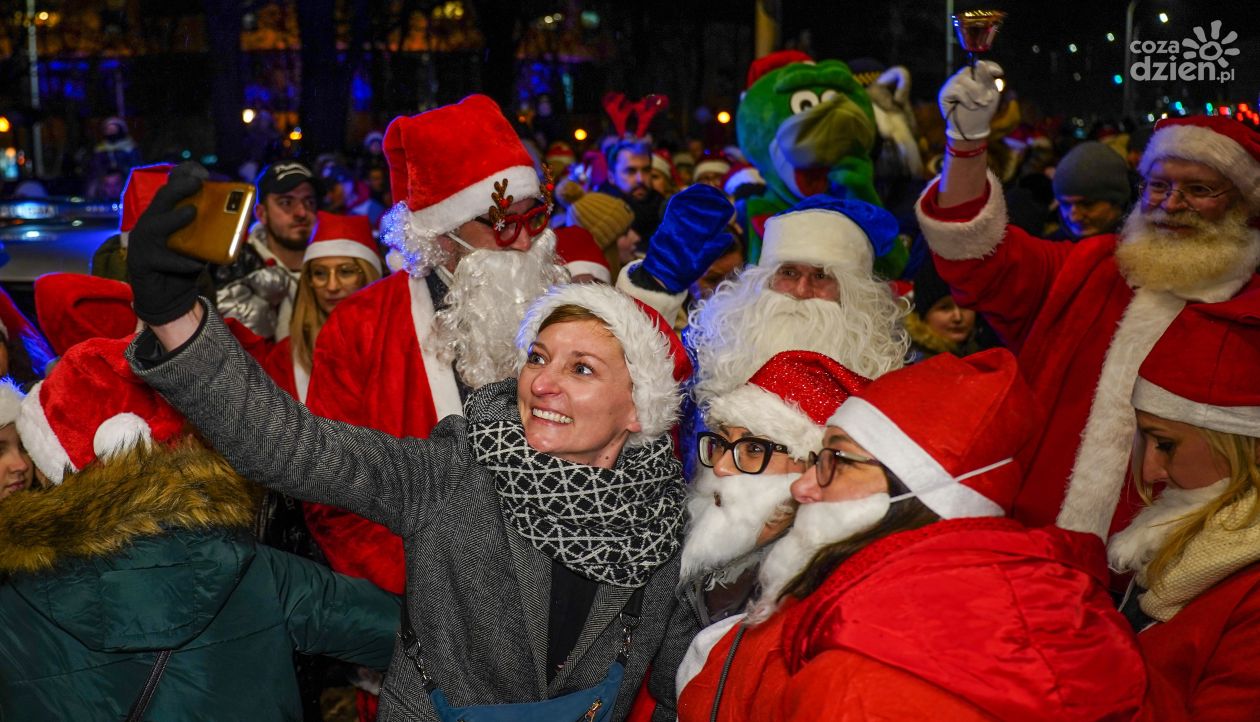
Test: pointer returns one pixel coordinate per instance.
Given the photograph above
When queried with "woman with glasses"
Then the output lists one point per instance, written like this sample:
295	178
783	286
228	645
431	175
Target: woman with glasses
740	501
340	260
902	591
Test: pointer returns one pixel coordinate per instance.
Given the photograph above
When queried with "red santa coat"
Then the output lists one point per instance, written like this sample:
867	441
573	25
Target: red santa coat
1013	623
282	368
1058	307
370	371
1203	662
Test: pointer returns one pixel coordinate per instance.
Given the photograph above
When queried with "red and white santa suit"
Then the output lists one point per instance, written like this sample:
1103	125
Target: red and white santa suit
974	617
1201	618
335	236
372	366
1079	330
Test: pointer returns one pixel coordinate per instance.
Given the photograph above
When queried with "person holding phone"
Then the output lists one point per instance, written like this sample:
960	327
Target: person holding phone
541	529
259	287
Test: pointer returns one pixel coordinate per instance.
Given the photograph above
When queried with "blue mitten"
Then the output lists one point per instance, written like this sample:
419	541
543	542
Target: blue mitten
690	238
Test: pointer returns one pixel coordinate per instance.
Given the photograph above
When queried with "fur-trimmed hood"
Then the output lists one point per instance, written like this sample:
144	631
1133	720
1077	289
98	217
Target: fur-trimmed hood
143	492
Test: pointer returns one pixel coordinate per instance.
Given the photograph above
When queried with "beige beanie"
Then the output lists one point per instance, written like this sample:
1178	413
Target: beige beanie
606	217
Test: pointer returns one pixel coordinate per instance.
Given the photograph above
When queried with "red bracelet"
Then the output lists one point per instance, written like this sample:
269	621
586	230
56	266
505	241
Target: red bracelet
978	151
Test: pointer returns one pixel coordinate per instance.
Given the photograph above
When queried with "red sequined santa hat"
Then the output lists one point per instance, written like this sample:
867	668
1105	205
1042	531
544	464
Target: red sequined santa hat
345	236
788	400
1202	371
578	252
142	185
90	406
450	165
656	358
1218	141
950	429
73	307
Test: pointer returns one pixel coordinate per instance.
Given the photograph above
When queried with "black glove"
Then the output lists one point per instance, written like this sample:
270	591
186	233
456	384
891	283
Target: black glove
163	281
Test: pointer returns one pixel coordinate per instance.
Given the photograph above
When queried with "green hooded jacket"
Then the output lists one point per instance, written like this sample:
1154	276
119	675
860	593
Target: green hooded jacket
152	550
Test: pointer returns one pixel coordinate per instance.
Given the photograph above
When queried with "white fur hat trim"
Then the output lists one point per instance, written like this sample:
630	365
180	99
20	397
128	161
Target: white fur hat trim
818	237
768	416
10	401
38	438
119	433
647	351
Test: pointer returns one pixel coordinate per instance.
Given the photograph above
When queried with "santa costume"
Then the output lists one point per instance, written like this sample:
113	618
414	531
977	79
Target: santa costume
788	401
1199	623
1078	327
372	367
973	617
335	236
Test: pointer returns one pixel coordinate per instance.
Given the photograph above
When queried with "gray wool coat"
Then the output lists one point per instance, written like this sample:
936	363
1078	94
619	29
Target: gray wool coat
477	591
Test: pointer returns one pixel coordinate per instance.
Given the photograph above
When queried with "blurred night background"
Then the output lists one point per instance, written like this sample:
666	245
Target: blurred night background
226	81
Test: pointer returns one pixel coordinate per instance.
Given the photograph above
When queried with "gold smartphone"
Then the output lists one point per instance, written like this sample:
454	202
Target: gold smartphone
218	231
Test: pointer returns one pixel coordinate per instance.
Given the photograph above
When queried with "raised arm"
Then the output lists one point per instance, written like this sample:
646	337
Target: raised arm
968	101
191	359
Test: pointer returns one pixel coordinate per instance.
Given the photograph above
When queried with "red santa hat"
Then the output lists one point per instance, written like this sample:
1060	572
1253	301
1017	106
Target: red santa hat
447	163
788	400
663	163
560	155
1217	141
89	407
15	326
338	235
656	358
142	185
1202	371
774	61
73	307
579	253
950	429
712	164
10	401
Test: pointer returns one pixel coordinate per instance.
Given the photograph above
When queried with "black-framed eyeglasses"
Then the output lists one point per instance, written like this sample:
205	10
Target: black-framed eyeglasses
828	461
1156	191
751	454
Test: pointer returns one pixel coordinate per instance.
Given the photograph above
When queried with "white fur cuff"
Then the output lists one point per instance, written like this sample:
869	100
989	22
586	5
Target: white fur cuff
965	240
669	305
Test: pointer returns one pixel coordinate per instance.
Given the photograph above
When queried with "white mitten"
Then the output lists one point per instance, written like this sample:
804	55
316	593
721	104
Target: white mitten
969	100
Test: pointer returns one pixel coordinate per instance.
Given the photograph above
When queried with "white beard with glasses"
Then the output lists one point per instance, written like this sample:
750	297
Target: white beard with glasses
717	534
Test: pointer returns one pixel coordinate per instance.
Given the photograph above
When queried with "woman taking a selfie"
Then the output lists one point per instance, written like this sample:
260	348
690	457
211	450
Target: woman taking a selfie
1195	549
340	260
540	529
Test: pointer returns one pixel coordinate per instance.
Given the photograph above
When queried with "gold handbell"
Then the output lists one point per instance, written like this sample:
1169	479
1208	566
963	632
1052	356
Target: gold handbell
976	29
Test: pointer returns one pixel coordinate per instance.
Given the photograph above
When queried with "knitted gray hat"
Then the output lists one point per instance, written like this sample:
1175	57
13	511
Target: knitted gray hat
1095	172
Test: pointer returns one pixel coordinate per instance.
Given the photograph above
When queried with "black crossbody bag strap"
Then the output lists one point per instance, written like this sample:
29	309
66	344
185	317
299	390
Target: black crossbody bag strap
136	713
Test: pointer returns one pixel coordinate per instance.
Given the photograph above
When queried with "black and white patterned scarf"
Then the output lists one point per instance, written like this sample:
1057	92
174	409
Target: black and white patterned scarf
616	526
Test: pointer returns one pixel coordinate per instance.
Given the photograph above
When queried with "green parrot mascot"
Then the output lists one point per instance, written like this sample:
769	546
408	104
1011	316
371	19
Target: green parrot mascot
809	128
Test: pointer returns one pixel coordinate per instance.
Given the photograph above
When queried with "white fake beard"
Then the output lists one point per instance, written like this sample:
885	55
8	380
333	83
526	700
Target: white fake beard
817	525
489	294
744	323
1215	253
719	534
1133	549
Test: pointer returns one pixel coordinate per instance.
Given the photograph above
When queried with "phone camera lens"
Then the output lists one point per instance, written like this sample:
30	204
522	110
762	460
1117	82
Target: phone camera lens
234	201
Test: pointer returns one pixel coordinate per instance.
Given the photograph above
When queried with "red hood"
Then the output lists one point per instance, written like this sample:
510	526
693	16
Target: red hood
1016	621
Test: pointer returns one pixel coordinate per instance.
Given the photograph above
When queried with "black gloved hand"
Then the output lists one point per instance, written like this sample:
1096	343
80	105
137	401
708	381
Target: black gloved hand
163	281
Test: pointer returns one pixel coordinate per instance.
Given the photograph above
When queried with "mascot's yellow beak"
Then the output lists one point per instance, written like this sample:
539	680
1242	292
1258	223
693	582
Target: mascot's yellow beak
808	144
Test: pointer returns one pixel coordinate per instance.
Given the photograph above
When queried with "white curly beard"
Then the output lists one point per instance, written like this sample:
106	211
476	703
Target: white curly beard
717	533
489	294
744	323
817	525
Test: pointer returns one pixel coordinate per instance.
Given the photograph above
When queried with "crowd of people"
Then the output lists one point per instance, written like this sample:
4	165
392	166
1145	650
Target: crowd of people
524	435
